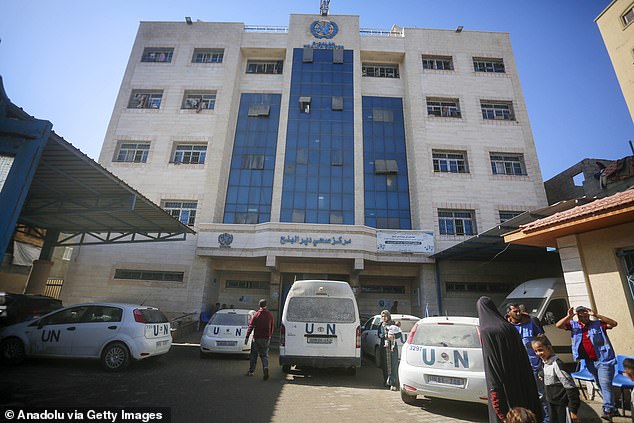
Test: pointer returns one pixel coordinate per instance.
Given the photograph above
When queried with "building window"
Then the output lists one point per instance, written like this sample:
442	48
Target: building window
135	152
336	218
157	54
437	62
456	222
337	55
190	154
259	110
380	70
508	215
145	99
253	161
307	55
450	161
304	104
337	103
184	211
488	65
199	100
149	275
578	179
383	289
382	166
298	216
67	254
6	163
388	223
382	115
208	55
274	67
262	285
628	266
507	164
479	287
497	110
443	107
628	16
248	218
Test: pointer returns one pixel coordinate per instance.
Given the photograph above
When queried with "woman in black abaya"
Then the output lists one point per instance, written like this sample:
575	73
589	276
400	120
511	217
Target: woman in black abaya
508	372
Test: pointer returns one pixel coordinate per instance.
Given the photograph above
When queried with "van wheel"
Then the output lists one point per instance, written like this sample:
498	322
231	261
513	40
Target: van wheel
377	357
286	368
12	351
408	399
115	357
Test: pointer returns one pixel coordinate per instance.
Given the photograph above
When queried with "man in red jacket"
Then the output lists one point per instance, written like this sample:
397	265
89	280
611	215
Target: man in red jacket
262	327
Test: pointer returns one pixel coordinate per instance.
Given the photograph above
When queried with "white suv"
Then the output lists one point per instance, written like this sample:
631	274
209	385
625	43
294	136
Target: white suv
443	358
114	333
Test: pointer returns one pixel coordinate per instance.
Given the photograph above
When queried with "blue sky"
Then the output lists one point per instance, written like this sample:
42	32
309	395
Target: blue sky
64	60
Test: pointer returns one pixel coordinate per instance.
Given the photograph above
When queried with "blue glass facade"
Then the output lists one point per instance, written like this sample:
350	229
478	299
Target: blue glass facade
385	164
318	182
250	187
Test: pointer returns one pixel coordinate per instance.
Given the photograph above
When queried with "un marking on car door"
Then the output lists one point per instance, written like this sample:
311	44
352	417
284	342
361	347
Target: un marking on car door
50	335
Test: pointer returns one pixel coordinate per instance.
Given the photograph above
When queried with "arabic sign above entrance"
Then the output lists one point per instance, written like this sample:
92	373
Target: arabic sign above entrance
405	242
296	239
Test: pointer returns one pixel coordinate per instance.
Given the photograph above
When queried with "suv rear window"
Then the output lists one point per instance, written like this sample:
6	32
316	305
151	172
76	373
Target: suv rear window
226	319
454	336
321	309
152	315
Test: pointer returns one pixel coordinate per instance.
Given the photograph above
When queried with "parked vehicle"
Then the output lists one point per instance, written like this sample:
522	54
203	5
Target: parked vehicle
443	359
225	332
16	308
370	342
114	333
547	300
320	326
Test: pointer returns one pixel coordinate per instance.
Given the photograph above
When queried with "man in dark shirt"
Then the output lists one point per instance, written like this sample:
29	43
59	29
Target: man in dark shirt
262	327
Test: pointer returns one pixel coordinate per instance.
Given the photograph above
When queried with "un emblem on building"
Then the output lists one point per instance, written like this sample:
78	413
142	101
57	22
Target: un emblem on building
324	29
225	239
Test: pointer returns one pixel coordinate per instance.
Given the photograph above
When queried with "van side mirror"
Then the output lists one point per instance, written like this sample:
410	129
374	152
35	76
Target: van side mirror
549	318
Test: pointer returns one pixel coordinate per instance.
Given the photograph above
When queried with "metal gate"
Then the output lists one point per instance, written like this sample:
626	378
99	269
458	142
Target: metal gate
53	287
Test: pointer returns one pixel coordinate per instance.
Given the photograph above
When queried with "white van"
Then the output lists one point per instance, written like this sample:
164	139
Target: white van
320	326
547	300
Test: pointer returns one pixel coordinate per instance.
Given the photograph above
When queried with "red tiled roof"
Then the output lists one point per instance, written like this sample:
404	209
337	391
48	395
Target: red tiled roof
601	206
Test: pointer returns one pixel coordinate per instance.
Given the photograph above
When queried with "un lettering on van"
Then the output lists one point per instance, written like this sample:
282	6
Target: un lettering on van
330	328
429	357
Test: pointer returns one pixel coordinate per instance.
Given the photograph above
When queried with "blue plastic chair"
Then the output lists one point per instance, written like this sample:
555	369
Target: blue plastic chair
584	374
621	381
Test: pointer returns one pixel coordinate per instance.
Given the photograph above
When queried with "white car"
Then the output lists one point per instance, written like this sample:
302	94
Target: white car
370	335
443	358
114	333
225	332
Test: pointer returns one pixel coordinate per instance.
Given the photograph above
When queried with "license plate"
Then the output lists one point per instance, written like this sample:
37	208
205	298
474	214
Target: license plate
319	340
442	380
226	343
161	343
156	330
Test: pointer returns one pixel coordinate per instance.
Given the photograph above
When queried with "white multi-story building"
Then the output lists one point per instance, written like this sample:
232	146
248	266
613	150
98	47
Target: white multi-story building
321	150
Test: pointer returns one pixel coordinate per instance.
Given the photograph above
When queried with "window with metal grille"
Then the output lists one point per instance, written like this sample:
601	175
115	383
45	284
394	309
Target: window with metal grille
149	275
237	284
380	70
450	161
135	152
253	161
208	55
274	67
190	154
157	54
437	62
456	222
185	211
443	107
497	110
488	65
508	215
145	99
199	100
507	164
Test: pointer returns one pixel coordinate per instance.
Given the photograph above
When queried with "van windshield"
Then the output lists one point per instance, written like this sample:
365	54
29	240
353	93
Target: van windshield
321	310
531	305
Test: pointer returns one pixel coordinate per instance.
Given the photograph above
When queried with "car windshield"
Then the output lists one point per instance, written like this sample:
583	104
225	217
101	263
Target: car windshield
407	325
531	305
229	319
321	309
447	335
153	315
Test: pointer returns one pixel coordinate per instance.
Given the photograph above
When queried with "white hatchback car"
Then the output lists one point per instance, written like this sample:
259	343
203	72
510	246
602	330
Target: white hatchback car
225	332
443	358
370	335
115	333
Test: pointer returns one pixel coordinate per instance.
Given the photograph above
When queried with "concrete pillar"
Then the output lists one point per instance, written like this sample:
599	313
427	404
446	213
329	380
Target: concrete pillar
40	270
577	283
